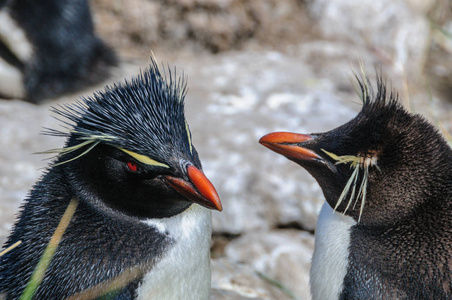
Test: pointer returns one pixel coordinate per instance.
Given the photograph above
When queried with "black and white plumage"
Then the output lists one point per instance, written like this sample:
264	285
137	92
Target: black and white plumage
48	48
130	163
385	231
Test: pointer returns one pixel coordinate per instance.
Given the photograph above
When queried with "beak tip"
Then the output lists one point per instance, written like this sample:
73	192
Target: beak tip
269	138
204	187
215	203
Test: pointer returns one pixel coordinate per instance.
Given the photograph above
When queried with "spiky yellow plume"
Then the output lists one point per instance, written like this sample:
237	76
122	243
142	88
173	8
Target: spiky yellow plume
91	141
358	163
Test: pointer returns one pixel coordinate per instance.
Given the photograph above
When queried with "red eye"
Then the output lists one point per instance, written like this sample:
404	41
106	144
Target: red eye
132	166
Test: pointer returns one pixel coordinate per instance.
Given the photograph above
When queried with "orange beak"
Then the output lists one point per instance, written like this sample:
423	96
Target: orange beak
199	189
284	143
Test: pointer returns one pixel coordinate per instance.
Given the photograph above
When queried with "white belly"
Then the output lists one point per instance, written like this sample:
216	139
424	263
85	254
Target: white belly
15	39
330	259
184	272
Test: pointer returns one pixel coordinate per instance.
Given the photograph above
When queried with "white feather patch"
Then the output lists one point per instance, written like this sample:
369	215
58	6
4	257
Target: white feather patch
14	37
11	80
184	271
330	259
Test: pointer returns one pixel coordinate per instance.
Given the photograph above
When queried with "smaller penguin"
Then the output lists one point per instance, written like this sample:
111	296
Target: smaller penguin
385	231
142	225
48	48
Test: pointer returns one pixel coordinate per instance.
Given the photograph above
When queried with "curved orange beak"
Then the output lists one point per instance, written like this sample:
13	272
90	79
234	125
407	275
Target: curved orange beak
199	189
285	143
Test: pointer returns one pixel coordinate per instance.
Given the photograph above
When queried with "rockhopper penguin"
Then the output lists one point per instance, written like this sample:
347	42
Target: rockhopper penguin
385	231
143	201
49	47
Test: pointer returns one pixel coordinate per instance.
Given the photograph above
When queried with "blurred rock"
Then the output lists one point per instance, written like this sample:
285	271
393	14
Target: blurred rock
233	281
207	24
396	30
283	255
439	63
128	23
20	123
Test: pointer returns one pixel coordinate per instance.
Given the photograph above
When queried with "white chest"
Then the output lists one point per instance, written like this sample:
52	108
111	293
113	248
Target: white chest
184	271
330	259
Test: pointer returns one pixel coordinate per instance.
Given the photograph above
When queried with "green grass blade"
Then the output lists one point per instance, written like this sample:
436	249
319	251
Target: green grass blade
39	272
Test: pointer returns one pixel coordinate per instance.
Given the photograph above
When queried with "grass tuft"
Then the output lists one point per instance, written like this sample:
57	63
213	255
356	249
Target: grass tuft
278	285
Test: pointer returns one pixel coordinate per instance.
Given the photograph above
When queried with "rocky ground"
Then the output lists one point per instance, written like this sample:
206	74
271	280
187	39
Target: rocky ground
255	67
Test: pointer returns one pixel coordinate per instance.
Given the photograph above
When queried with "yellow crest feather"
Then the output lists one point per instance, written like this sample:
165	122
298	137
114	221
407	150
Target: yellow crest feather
144	159
358	163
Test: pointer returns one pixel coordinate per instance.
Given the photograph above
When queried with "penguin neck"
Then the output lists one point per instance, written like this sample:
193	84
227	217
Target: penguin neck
330	258
187	262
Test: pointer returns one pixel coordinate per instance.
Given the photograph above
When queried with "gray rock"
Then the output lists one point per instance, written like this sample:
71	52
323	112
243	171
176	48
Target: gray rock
397	31
283	255
214	25
20	124
233	281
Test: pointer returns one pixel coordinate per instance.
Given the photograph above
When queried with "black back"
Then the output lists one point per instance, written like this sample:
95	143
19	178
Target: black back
407	260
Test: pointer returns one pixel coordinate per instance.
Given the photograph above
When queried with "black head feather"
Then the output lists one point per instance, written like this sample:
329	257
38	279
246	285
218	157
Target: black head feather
379	99
145	115
139	127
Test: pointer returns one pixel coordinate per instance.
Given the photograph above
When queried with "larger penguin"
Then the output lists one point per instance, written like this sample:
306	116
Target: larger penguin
141	229
385	231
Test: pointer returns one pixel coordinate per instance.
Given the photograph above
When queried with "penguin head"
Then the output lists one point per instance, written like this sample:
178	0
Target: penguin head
375	168
130	149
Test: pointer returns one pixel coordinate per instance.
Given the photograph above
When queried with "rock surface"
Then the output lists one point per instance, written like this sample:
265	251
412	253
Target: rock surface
394	30
237	281
213	25
279	254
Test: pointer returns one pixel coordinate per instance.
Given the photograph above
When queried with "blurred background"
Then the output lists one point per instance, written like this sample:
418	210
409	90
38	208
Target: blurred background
253	67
